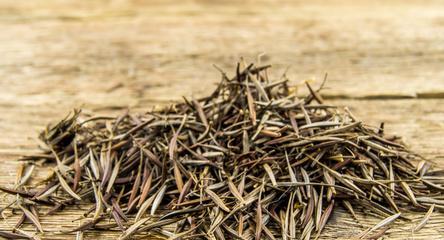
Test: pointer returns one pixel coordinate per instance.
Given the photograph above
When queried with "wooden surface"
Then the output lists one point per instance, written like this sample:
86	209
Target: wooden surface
384	60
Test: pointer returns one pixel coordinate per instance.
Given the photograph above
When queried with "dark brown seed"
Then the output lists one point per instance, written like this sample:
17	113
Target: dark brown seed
146	188
77	169
9	235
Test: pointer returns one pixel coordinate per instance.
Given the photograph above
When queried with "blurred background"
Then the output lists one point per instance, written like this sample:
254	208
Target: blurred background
90	52
384	59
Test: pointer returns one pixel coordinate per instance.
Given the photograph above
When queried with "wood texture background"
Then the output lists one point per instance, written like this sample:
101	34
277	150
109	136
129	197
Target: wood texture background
385	59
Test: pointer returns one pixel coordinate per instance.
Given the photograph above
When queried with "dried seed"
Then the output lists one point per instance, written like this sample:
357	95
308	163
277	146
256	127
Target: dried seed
217	200
381	224
234	191
32	217
270	174
66	187
132	229
158	199
426	218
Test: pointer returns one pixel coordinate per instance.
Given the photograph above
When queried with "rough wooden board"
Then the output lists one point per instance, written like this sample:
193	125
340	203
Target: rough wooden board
142	48
108	55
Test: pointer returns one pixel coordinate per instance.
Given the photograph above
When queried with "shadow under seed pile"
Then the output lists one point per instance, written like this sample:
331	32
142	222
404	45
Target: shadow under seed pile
250	161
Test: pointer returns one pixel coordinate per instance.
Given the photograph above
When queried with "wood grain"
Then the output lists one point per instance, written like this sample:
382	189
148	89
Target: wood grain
384	60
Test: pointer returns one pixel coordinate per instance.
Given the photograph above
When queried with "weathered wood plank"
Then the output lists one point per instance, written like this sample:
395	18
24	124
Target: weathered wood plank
389	48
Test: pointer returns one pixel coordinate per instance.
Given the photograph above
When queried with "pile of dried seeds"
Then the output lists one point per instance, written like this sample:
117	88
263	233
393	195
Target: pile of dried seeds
250	161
